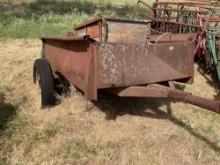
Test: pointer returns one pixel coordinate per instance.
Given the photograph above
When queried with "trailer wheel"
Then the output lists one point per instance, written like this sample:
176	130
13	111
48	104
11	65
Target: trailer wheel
43	77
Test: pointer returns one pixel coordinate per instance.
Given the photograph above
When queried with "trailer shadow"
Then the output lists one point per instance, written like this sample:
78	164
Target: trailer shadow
150	108
114	106
213	81
7	113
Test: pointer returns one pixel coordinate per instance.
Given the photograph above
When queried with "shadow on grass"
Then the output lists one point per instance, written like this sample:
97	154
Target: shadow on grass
39	8
115	106
213	81
7	113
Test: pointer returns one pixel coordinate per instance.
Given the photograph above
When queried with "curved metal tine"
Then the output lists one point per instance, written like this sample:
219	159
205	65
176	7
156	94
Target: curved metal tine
161	36
137	8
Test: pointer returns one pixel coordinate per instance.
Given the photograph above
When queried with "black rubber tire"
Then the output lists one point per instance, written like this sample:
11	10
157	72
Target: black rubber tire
43	70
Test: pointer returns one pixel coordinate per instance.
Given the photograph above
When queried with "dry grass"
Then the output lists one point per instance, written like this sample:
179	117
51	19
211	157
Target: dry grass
125	131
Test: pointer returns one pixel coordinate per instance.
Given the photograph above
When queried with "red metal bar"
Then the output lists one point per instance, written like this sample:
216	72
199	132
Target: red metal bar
171	22
160	91
212	105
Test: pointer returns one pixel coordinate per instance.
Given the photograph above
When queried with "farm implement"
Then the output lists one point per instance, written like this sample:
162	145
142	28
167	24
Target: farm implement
187	17
125	57
214	50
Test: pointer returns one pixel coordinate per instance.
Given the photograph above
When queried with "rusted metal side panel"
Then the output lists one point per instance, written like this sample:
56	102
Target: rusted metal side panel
91	73
69	58
124	64
126	31
93	31
169	37
113	30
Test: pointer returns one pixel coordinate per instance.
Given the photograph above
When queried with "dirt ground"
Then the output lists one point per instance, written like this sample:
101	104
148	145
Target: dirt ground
110	131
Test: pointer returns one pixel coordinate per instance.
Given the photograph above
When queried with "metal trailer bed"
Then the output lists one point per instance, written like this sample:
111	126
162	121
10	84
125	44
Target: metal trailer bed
121	57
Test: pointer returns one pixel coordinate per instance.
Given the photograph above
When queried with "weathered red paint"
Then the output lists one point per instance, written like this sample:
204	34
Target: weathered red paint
93	59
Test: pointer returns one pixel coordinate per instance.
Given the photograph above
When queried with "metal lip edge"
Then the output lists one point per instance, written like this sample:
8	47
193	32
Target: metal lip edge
100	18
70	38
150	43
127	20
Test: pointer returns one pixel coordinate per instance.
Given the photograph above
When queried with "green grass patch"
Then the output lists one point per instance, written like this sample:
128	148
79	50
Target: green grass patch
77	149
36	18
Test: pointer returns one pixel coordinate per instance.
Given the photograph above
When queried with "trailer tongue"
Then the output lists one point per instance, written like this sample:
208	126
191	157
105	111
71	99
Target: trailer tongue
122	57
160	91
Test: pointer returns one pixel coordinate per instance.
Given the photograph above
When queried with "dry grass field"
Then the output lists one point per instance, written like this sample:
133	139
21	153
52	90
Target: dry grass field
110	131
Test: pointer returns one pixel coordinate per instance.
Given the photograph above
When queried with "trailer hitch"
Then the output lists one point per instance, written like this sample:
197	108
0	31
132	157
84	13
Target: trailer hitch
161	91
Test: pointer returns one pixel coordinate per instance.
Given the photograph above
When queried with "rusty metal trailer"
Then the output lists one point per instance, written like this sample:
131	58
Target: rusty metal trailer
120	57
